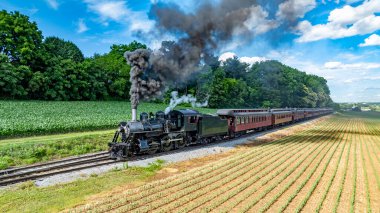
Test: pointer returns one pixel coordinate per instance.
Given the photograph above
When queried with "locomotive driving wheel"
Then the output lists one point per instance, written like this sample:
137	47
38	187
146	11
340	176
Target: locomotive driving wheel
167	145
180	143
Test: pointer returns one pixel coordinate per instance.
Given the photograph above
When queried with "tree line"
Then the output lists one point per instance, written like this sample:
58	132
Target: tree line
51	68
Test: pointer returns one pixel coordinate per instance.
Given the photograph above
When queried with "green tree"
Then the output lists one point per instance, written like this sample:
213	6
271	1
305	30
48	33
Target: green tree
116	69
58	47
20	39
227	92
13	79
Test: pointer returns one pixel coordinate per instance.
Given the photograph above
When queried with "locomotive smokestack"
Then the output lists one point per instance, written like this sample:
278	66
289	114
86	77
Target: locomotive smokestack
134	114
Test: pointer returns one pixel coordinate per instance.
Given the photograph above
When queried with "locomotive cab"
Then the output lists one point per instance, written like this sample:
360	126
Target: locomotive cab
184	120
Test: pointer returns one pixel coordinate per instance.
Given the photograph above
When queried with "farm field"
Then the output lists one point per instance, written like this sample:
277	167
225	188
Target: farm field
25	118
332	167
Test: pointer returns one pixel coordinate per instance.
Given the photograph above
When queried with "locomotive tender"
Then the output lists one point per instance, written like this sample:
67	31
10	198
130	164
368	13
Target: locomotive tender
180	128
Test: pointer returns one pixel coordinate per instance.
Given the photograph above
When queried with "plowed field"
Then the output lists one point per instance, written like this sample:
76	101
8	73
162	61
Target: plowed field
331	167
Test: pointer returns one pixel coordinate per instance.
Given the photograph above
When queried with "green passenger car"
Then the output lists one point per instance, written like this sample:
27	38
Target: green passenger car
209	126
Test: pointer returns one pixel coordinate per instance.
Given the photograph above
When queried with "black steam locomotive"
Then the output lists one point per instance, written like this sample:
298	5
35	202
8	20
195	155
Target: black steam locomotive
180	128
160	132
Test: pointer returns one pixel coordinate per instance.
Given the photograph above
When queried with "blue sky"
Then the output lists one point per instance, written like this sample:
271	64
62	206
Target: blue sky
335	39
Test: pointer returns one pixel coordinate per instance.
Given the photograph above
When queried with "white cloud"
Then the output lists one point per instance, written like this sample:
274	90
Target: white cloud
350	56
114	10
348	81
343	22
252	60
118	11
295	8
82	27
353	66
53	4
258	22
371	78
352	1
140	22
329	77
245	59
373	40
227	55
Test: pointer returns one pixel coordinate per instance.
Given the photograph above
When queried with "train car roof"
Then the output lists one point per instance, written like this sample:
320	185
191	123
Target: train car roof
282	112
251	113
232	112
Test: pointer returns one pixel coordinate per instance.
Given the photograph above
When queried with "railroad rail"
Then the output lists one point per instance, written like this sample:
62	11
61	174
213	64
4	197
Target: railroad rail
36	171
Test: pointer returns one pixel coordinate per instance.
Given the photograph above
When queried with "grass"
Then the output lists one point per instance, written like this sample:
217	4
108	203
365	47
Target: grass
23	118
29	198
16	152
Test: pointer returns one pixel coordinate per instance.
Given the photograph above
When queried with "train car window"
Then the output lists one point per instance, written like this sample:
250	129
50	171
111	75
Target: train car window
192	119
179	123
238	120
242	120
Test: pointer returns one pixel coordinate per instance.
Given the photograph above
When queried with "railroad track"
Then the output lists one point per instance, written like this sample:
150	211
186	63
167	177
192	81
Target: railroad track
33	172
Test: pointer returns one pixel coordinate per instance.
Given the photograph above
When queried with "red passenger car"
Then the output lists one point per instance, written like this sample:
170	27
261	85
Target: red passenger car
281	117
298	114
244	120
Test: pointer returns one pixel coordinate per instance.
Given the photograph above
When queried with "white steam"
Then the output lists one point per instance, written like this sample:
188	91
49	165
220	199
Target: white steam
175	100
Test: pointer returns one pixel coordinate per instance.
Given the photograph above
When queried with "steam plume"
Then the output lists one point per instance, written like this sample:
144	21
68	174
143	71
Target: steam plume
175	100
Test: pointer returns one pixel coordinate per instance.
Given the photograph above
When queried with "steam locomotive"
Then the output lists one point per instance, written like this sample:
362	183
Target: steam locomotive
180	128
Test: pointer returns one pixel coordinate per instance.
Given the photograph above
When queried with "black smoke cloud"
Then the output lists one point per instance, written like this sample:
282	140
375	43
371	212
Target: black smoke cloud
199	33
